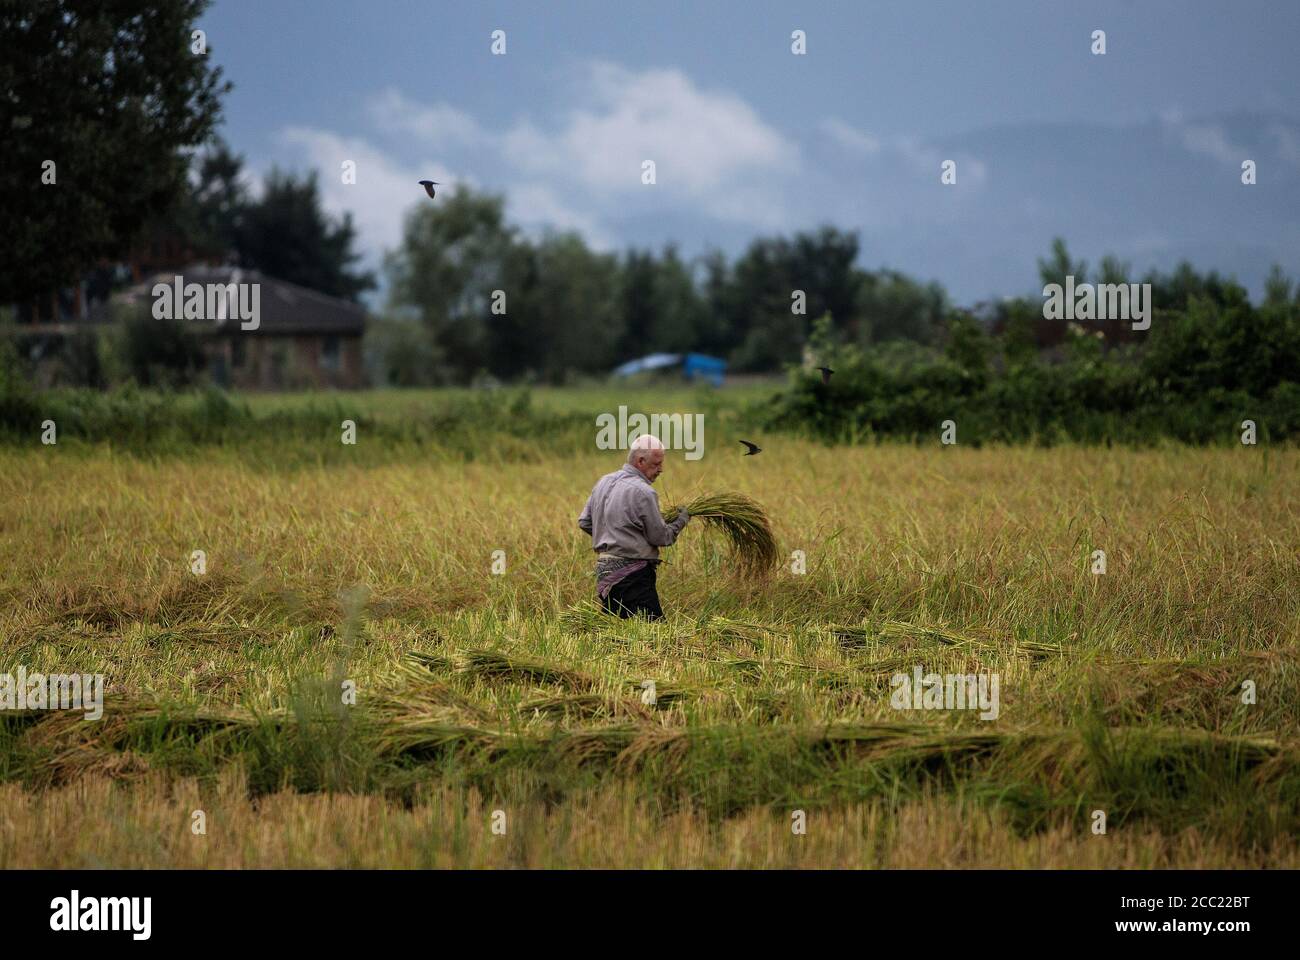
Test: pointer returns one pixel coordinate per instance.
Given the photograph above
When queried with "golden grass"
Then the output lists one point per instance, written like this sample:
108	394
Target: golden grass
1201	544
95	824
957	559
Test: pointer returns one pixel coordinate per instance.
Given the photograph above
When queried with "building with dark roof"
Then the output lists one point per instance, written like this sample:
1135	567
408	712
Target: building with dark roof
302	339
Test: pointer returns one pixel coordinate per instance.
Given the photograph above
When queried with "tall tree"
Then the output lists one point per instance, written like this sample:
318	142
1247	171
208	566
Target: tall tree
99	103
895	307
683	320
574	308
513	347
725	323
1175	291
763	324
1058	266
452	257
287	234
638	305
219	198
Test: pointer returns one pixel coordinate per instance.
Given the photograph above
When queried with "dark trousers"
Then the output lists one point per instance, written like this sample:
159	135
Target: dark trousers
634	594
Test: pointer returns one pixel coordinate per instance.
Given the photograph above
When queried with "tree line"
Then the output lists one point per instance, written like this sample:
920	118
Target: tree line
470	294
112	121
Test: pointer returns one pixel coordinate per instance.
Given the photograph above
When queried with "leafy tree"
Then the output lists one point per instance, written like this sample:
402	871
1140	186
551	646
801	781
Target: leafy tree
113	95
404	354
661	308
1277	288
513	351
637	301
572	309
216	206
969	346
160	352
722	306
823	263
566	306
766	332
1175	291
452	257
895	307
1059	265
562	310
1019	340
1113	270
684	320
286	234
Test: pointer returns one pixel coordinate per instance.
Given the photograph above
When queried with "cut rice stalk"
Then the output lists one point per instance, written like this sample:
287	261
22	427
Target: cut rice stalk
743	522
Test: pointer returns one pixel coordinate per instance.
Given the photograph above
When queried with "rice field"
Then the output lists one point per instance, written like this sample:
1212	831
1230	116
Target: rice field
395	661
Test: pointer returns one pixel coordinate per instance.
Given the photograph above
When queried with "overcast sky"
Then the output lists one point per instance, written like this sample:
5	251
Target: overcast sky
1136	152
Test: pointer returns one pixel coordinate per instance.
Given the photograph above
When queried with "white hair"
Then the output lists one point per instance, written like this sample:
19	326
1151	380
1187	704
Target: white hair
643	445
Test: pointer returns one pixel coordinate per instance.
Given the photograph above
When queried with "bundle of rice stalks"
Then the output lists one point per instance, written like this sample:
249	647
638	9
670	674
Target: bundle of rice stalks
901	629
418	692
430	738
584	617
849	637
714	627
428	661
898	629
1038	649
585	706
492	665
665	693
747	668
121	743
597	746
743	522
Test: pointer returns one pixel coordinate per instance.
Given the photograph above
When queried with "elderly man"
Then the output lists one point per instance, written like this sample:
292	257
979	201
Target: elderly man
622	515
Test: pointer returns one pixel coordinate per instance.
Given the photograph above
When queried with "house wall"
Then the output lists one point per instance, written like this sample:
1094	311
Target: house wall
289	362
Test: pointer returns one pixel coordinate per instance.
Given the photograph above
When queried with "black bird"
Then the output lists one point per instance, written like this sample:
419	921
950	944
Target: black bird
753	448
826	374
428	186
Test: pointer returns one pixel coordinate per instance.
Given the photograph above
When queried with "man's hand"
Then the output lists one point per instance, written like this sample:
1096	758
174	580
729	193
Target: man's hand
683	517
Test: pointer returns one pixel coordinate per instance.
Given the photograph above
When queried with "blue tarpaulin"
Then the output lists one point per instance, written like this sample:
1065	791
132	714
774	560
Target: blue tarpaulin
692	365
704	367
656	361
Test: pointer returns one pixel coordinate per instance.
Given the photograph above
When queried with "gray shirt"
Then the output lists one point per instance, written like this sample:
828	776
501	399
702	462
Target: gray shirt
622	515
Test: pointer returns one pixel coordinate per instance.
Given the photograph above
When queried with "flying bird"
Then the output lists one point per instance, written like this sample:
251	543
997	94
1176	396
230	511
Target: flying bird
428	186
753	448
826	374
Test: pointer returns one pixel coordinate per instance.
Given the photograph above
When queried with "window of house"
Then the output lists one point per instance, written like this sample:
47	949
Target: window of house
237	352
329	353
